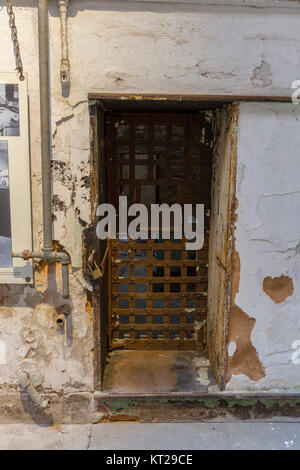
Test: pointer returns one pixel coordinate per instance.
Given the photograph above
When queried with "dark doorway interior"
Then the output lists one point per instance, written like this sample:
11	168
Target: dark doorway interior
158	288
161	308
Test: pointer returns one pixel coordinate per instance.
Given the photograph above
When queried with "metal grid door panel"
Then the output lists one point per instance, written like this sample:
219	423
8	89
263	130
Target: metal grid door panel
158	289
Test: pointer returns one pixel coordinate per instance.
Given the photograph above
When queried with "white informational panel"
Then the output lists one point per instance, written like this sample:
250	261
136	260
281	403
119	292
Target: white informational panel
15	197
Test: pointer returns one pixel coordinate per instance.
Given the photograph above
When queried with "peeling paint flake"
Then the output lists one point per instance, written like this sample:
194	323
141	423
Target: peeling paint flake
245	359
278	288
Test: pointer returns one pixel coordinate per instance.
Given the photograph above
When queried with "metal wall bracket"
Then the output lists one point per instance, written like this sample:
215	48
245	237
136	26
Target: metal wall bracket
59	256
65	63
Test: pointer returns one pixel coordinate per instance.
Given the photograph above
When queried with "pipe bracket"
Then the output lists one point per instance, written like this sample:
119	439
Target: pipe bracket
65	63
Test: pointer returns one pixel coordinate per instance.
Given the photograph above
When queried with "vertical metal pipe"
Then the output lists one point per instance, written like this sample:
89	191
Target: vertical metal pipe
48	251
45	122
65	280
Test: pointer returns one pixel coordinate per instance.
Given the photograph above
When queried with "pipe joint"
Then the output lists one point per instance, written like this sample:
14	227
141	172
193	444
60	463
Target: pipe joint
25	384
63	257
53	255
48	252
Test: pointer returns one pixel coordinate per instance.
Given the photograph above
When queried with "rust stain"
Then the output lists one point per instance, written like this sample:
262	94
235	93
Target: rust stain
143	371
245	359
278	288
236	206
235	281
40	265
119	417
58	247
89	303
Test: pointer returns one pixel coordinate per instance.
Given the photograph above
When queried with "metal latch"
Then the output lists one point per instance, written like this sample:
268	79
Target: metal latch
97	271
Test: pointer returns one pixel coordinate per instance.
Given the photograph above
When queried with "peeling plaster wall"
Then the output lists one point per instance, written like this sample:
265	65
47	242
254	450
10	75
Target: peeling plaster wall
267	248
125	47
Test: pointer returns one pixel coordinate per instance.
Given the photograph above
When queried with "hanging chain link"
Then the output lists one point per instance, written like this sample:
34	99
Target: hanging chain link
12	24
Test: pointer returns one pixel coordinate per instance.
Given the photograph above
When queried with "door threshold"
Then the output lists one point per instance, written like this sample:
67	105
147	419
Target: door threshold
193	407
139	374
246	394
102	394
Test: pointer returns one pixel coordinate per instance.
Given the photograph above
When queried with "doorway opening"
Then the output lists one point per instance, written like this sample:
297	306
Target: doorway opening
158	289
160	303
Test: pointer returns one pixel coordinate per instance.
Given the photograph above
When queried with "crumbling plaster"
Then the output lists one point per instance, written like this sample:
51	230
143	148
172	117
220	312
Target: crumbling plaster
267	237
125	47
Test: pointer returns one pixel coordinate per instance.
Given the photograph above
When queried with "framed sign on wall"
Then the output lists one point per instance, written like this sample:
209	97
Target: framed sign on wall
15	194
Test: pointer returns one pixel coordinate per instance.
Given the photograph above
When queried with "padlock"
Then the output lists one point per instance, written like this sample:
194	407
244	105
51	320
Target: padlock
96	273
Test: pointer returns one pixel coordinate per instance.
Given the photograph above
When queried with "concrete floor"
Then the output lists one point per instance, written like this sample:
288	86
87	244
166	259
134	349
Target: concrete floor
158	436
139	371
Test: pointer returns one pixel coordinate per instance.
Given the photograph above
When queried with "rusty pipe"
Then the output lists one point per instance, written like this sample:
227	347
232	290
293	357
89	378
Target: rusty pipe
60	256
25	384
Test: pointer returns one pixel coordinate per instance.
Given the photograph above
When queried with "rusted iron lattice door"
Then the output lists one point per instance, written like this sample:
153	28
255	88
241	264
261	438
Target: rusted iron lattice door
158	290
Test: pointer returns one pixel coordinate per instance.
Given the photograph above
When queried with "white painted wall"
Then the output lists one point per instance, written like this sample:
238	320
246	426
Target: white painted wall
132	47
145	48
268	236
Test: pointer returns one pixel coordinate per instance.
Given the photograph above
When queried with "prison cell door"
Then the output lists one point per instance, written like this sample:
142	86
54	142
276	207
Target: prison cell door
158	289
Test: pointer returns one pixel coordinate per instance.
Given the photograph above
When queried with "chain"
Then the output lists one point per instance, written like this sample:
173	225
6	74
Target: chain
12	24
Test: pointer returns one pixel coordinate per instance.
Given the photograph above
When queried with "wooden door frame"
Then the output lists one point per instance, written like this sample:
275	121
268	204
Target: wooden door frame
90	239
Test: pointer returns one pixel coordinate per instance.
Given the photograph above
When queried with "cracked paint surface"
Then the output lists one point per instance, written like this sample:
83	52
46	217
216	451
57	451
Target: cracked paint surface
267	239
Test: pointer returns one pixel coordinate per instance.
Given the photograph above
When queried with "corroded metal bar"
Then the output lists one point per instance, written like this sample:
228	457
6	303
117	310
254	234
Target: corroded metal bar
65	63
158	290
